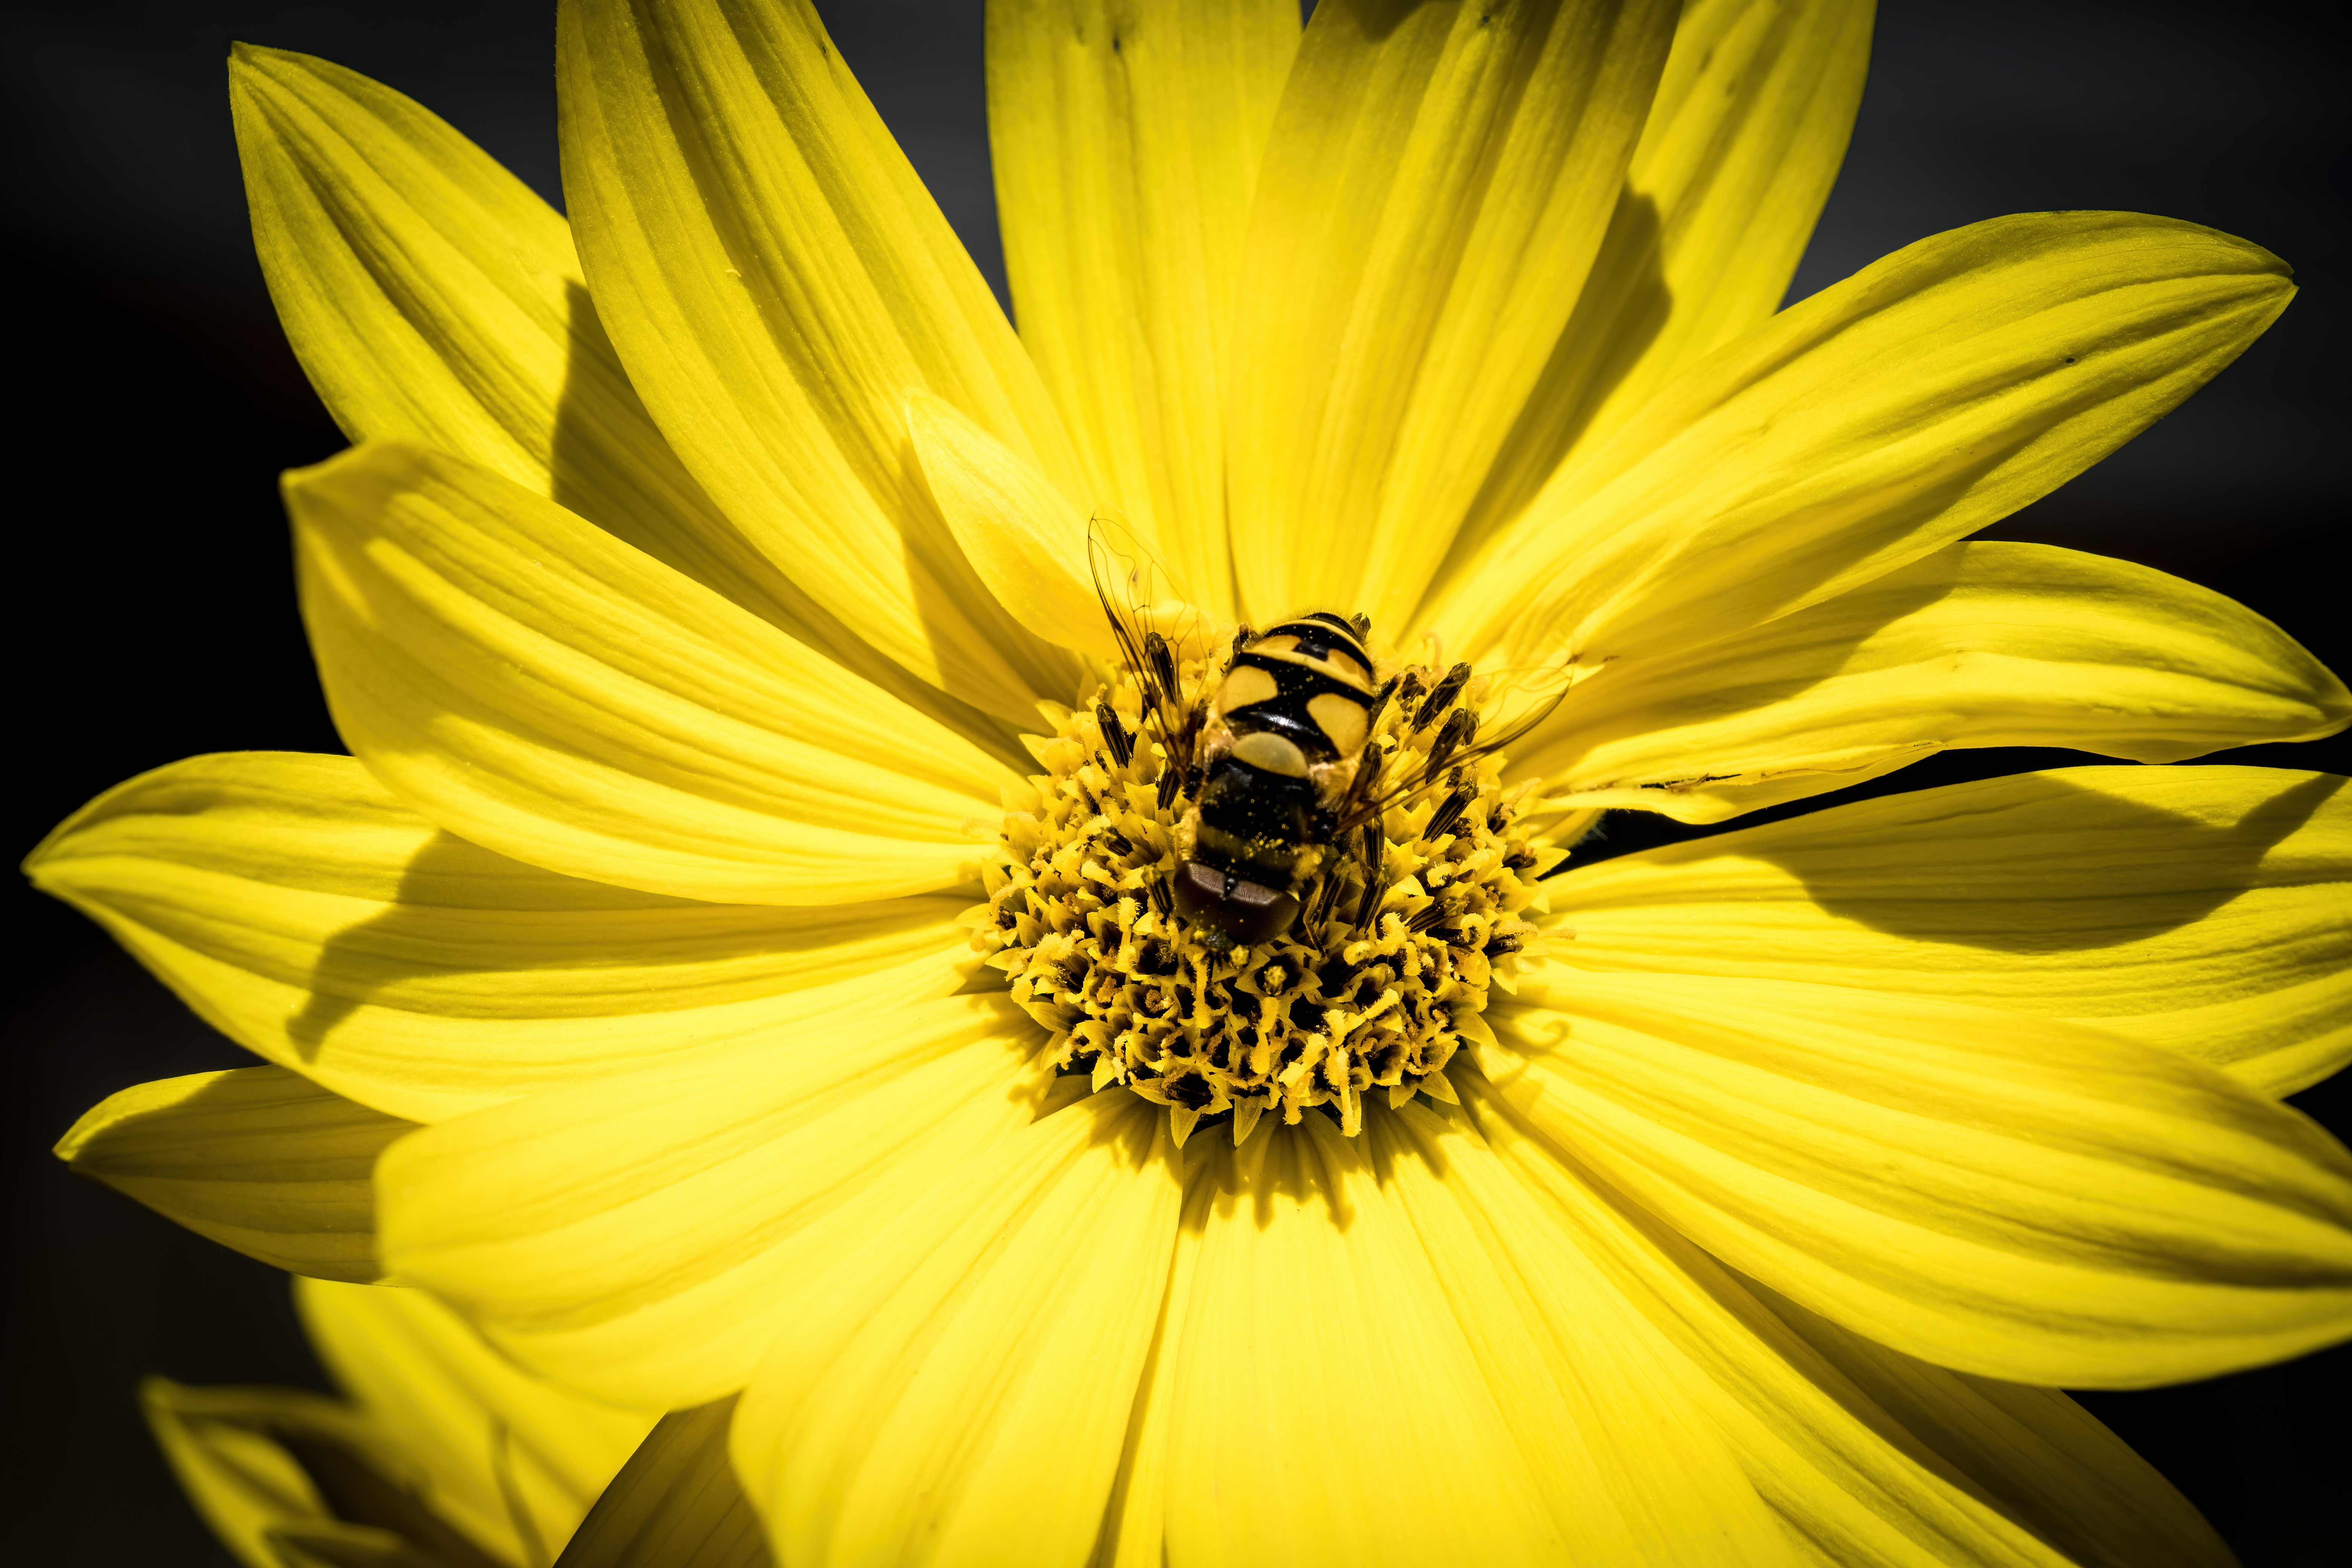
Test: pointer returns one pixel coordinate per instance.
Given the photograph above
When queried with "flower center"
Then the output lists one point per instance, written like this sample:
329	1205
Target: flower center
1404	918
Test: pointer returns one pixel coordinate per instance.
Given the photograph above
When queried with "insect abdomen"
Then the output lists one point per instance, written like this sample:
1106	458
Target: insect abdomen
1290	722
1255	822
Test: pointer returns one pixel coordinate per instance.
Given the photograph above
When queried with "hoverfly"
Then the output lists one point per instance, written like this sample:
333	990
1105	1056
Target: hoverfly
1271	774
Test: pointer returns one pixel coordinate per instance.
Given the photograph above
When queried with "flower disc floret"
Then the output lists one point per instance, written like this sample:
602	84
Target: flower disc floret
1373	989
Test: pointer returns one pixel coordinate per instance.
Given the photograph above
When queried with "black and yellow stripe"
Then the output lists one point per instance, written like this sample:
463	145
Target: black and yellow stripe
1296	700
1307	682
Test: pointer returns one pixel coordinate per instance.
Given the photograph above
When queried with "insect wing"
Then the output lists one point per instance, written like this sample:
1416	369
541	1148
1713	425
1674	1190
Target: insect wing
1520	699
1121	573
1131	584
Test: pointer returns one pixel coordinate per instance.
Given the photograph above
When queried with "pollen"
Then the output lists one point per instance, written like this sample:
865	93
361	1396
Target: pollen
1407	922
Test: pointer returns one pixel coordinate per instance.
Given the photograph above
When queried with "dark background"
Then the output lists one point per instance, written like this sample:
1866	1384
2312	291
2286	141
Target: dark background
151	612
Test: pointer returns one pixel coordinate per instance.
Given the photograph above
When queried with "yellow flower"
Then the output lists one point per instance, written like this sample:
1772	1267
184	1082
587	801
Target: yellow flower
443	1453
695	607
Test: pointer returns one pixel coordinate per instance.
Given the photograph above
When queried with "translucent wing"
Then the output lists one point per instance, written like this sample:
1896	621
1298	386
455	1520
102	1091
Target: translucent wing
1131	586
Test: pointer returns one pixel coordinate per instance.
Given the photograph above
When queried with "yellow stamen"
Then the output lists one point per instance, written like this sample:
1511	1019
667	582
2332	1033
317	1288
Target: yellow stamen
1360	993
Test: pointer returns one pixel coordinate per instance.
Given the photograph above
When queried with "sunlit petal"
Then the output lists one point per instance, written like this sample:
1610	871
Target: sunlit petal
539	688
1870	1454
1978	645
1127	139
926	1384
2200	909
431	297
2003	1194
1744	137
632	1233
515	1462
305	913
260	1159
1932	393
776	280
1438	181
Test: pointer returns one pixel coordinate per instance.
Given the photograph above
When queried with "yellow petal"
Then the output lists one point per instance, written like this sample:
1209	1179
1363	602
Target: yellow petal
2045	1460
244	1482
1438	181
1932	393
674	1503
259	1158
534	685
1328	1405
1744	137
1126	140
247	1456
1595	1397
2003	1195
306	913
1135	1522
927	1390
633	1234
431	297
2199	908
776	279
511	1460
1873	1455
1026	540
1978	645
